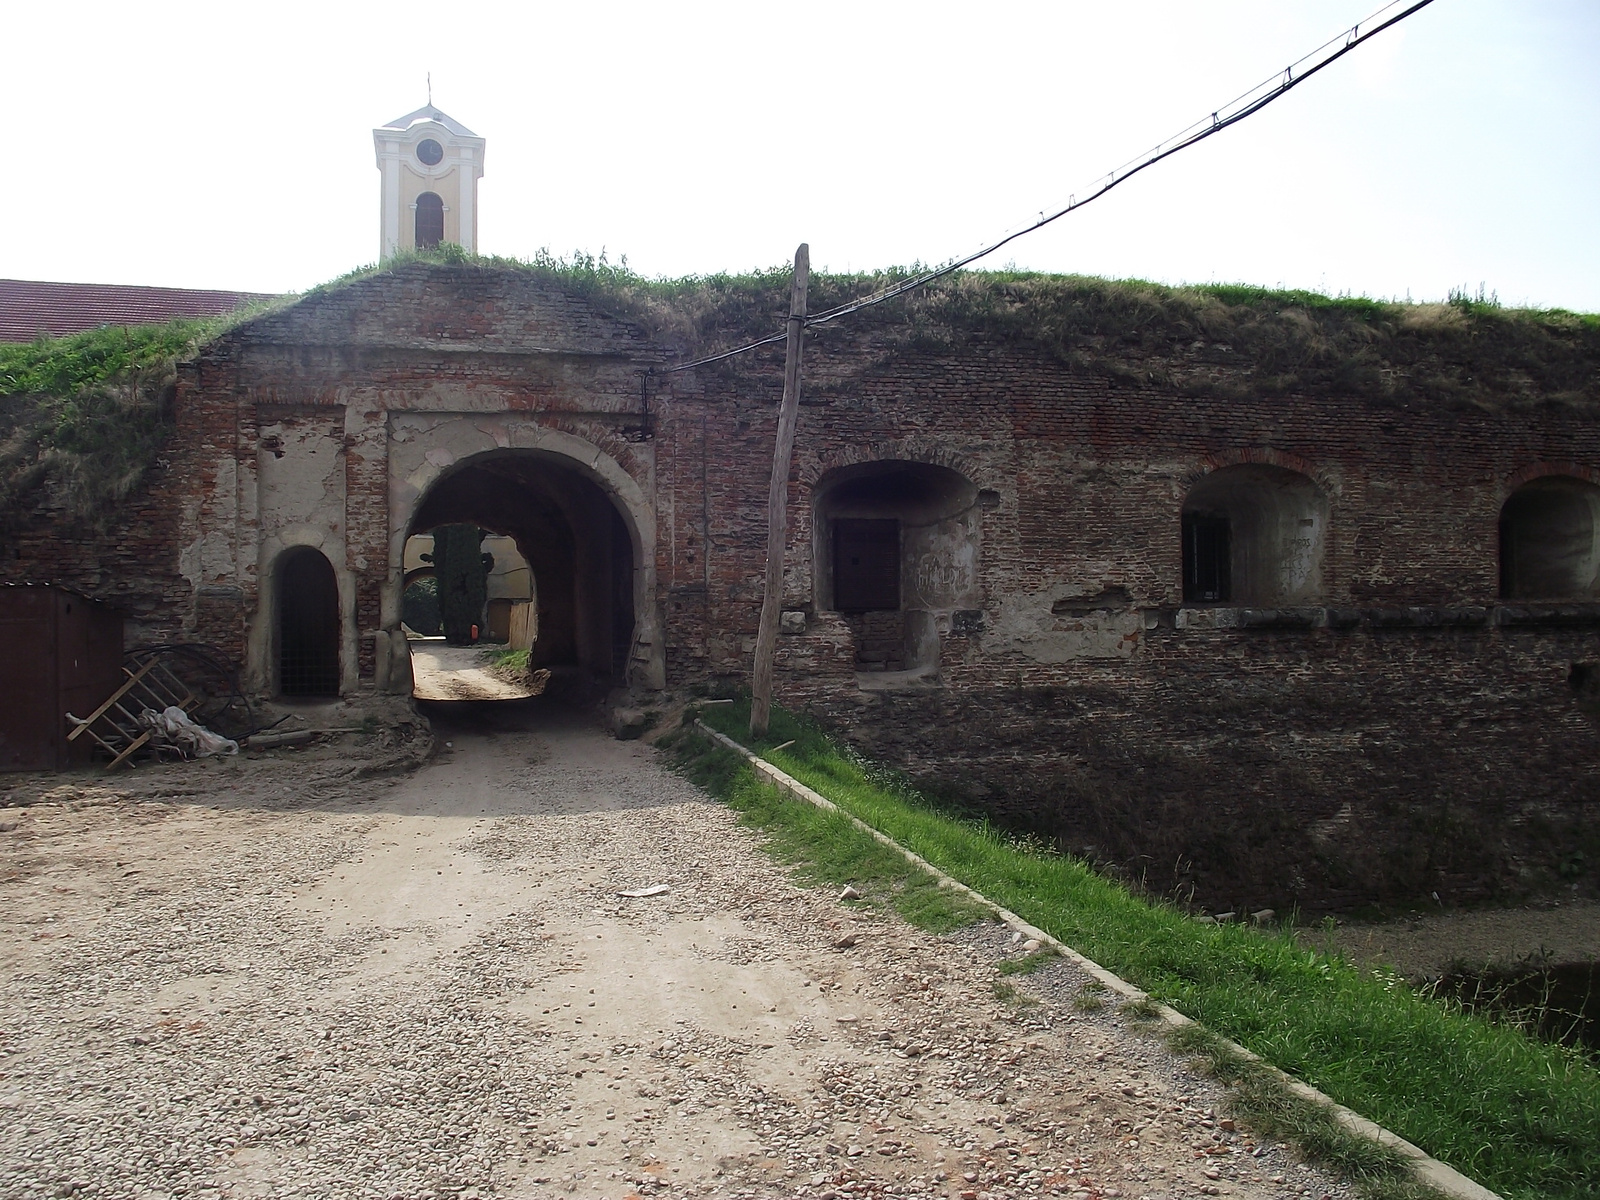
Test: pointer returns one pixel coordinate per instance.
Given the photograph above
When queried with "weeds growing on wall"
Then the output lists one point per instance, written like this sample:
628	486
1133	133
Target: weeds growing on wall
1227	340
1516	1114
87	415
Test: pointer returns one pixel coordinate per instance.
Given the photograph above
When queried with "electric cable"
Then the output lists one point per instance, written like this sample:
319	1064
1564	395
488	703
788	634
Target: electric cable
1246	105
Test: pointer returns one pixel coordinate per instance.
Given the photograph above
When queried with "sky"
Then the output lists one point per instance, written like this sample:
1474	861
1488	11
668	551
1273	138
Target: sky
230	146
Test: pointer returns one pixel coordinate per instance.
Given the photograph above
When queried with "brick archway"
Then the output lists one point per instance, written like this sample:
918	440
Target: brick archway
426	450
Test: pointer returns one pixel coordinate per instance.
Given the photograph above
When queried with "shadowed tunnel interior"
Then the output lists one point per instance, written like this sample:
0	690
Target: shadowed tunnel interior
574	539
1550	541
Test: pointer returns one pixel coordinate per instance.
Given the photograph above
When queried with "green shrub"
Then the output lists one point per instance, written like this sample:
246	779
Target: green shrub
419	607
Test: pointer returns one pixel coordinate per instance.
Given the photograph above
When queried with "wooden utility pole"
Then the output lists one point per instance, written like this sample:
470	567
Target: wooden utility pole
778	500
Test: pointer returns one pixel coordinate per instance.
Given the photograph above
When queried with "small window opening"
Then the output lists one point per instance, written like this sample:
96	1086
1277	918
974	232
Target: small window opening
430	221
1205	559
866	565
1253	534
896	547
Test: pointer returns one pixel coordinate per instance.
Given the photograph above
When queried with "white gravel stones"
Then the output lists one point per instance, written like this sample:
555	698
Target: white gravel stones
282	979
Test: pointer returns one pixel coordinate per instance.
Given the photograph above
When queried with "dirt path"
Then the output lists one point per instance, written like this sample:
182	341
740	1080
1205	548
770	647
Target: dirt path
444	672
284	978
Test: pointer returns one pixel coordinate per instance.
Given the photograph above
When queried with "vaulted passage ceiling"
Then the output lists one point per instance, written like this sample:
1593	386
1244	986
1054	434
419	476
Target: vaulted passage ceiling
567	528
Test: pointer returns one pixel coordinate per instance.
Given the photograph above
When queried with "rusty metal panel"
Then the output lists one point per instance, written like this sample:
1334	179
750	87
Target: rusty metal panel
28	693
59	652
88	664
27	679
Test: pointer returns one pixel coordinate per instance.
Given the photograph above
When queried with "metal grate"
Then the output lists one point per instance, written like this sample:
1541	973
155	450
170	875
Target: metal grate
308	625
1206	565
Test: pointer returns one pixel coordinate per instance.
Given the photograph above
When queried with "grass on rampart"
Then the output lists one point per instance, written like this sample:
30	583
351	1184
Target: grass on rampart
1520	1116
88	414
1228	340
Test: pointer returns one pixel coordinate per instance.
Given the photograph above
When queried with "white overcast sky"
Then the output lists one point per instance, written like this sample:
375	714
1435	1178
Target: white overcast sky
230	145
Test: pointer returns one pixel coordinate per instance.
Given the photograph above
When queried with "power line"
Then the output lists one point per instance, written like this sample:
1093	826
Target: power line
1246	105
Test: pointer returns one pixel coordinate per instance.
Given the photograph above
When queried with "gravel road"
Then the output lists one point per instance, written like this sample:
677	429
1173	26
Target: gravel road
287	975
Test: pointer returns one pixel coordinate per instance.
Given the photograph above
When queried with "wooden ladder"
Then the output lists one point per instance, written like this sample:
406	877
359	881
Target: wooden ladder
149	684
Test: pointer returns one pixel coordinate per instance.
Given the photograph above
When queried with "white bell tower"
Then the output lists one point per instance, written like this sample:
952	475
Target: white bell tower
431	164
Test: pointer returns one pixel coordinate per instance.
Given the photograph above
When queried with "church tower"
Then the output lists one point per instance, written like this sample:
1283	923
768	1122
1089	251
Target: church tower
431	165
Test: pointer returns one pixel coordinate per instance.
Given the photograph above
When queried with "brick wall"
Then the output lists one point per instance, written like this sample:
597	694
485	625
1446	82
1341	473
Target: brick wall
1406	733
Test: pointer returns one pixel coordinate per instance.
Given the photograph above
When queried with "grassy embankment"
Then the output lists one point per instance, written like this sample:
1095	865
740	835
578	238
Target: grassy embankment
1520	1116
506	659
90	413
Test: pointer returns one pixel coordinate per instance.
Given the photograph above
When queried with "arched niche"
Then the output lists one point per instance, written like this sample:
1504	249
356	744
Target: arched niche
1254	534
1550	540
895	551
308	628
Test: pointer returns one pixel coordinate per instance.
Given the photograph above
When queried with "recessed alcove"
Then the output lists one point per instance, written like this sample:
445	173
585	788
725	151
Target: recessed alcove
1254	534
896	551
1550	540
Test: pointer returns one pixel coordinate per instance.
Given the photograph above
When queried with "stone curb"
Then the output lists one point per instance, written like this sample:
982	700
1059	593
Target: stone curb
1436	1174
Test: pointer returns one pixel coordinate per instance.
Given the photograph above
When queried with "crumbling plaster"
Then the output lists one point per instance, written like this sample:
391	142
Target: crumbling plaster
300	500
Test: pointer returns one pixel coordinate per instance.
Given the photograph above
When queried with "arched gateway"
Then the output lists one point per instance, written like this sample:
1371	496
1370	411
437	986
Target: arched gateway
423	396
581	521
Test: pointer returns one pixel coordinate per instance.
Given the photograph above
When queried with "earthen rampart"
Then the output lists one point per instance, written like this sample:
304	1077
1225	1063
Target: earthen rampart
1319	646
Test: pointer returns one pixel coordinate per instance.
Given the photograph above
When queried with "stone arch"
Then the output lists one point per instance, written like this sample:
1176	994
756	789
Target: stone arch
1254	533
1549	539
308	624
427	448
263	636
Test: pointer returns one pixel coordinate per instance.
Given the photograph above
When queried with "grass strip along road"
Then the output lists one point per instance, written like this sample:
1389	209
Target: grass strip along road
1520	1116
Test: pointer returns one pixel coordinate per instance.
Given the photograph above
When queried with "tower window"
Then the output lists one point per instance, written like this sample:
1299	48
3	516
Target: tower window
429	152
430	221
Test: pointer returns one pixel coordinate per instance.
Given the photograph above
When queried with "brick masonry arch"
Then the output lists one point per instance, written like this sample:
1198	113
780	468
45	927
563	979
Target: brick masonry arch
1261	456
262	634
426	447
1542	470
814	468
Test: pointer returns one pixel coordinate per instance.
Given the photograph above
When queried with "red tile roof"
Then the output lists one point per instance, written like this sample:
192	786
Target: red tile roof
28	309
